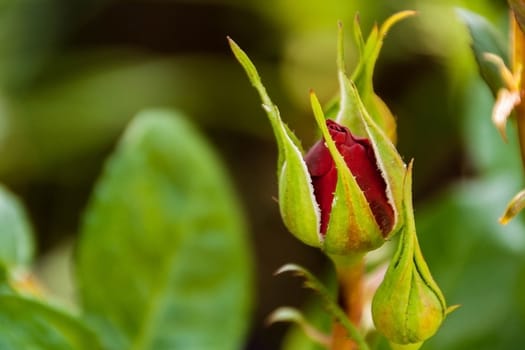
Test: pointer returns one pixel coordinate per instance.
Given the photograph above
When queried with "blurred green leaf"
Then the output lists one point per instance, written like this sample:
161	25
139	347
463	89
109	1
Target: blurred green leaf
32	36
485	38
29	324
162	257
88	99
29	33
16	235
489	154
54	270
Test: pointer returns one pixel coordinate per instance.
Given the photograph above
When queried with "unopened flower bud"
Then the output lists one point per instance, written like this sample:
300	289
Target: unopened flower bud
345	195
357	182
360	158
408	307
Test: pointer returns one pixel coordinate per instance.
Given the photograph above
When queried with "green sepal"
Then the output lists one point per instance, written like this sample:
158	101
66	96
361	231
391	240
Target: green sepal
354	114
366	115
347	114
388	159
352	226
408	307
363	74
358	35
297	203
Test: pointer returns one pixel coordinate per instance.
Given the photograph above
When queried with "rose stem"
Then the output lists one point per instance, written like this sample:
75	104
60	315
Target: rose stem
350	275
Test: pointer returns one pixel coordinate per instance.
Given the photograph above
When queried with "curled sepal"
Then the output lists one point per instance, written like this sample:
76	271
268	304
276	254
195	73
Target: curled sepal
408	307
362	77
352	226
328	302
290	314
297	203
364	70
516	204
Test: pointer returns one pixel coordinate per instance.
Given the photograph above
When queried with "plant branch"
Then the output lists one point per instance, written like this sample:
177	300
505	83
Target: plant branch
350	275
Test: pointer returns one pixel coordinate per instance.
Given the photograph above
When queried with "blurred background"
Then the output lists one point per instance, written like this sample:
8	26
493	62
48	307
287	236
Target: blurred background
73	73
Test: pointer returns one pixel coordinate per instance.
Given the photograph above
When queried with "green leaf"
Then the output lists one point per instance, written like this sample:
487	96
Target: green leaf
29	324
485	38
163	259
16	235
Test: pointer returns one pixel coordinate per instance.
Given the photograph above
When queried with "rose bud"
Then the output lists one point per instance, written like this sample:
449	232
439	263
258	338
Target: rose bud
345	196
408	307
360	159
355	182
